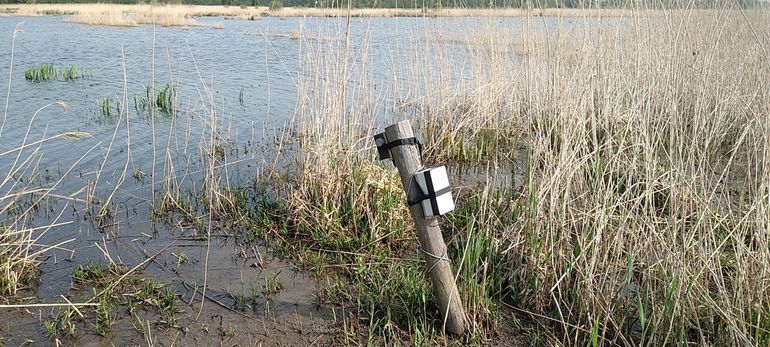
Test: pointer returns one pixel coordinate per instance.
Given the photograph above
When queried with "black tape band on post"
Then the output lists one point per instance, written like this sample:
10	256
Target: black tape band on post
384	146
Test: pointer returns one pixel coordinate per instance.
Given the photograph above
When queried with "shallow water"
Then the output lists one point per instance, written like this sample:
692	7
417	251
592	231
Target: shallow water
240	83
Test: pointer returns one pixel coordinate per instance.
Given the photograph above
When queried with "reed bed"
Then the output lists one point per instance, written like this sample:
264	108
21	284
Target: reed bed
114	15
643	216
646	189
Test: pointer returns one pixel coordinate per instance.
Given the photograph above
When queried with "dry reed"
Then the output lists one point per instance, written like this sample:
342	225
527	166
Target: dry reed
20	246
643	216
116	15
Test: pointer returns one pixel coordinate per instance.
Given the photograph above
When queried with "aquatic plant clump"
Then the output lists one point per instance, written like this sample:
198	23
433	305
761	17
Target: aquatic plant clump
49	72
162	99
104	105
44	72
71	73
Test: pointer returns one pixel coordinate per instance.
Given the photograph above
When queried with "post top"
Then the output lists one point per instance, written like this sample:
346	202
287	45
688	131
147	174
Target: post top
400	130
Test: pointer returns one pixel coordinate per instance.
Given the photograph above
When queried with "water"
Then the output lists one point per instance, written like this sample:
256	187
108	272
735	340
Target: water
239	83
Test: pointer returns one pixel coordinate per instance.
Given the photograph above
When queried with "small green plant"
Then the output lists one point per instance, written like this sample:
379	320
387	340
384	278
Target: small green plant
272	285
104	316
181	258
44	72
141	101
240	303
62	325
148	291
219	150
254	293
166	303
139	176
104	105
163	100
50	328
89	272
167	299
71	73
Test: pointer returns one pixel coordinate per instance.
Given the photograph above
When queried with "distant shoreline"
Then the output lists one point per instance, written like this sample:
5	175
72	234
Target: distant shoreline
128	12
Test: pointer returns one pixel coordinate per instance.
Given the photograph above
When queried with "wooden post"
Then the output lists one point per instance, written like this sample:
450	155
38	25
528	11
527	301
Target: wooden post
407	159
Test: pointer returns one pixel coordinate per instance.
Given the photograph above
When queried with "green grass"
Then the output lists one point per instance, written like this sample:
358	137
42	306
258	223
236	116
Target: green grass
105	315
133	293
477	229
71	73
62	325
41	73
464	146
165	98
94	273
162	99
105	105
49	72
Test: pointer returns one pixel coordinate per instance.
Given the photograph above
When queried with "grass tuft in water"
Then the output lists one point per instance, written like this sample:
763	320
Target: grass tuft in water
62	325
105	105
162	99
41	73
48	72
71	73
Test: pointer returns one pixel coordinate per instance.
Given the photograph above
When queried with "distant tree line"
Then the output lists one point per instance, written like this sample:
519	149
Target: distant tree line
428	4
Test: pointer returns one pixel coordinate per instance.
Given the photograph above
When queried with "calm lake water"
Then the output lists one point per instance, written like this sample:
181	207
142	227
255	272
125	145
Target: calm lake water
247	73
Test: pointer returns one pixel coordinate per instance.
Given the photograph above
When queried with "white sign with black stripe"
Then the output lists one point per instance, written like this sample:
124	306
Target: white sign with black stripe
436	193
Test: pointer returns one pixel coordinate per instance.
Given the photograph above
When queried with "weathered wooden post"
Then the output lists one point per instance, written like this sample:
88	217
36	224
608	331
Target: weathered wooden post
398	142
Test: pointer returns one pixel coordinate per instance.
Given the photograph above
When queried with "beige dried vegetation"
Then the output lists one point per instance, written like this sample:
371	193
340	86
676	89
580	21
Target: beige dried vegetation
644	217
